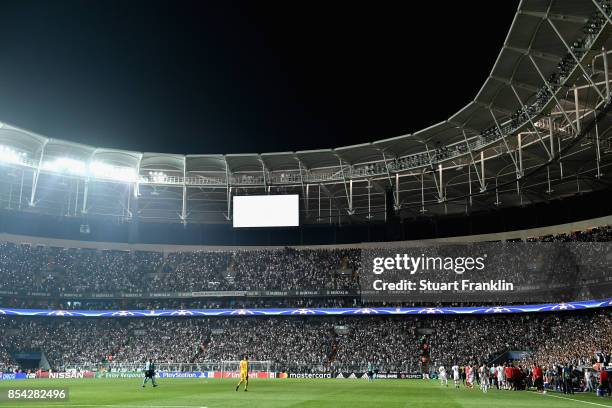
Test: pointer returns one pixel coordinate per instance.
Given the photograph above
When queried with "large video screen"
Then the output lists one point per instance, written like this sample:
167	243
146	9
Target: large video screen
266	211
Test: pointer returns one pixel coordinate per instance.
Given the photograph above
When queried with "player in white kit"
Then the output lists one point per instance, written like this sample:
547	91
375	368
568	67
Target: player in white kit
484	378
501	377
442	376
456	375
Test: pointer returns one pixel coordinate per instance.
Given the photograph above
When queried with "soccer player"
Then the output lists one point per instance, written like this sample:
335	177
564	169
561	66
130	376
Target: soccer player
484	378
469	376
443	377
537	377
244	373
456	375
604	383
370	372
509	376
501	379
588	380
149	372
567	379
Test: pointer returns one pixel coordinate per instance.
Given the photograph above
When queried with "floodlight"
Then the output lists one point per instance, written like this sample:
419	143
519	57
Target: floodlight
107	171
10	155
157	177
66	165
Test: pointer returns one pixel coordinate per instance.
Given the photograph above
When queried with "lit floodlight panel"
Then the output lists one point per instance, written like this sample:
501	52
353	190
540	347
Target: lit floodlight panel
266	211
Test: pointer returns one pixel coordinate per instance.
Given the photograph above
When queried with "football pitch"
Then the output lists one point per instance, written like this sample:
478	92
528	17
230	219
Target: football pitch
211	393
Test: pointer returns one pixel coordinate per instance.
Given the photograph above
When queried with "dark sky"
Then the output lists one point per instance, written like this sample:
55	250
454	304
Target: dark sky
242	77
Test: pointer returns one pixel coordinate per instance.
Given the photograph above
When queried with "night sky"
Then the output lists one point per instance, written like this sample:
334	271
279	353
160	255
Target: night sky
242	77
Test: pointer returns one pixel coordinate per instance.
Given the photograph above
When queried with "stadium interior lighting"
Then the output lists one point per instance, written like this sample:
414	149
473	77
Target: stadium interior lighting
66	165
157	177
10	155
107	171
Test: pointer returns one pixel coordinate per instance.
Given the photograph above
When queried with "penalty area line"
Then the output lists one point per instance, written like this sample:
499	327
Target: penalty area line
576	400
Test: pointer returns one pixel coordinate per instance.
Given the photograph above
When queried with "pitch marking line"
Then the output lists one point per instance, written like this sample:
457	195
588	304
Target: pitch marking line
127	406
577	400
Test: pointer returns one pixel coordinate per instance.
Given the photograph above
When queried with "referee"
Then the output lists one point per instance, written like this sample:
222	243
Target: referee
149	372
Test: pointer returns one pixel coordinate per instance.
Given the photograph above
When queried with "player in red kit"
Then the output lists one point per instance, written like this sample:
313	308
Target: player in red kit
538	377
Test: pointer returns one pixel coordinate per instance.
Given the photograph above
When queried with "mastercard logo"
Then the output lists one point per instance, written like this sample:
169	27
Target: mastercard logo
283	375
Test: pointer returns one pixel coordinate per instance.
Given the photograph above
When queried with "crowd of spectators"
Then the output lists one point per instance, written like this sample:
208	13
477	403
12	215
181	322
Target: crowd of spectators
52	270
68	270
307	344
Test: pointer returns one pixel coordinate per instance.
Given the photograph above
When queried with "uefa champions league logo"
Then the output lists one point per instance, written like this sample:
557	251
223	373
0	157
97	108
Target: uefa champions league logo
303	312
366	311
498	309
242	312
431	310
182	313
563	306
123	313
60	313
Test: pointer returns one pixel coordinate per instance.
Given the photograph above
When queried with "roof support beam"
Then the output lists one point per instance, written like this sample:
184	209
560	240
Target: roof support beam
554	96
423	210
542	55
519	173
554	16
86	183
531	121
518	84
369	187
433	170
551	136
396	204
304	191
85	195
602	11
568	48
462	126
597	151
606	72
577	109
36	174
319	201
495	108
263	172
481	181
497	202
441	195
349	194
470	184
228	187
183	216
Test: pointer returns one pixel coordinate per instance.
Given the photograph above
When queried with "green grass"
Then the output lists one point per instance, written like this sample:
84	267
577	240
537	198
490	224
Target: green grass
337	393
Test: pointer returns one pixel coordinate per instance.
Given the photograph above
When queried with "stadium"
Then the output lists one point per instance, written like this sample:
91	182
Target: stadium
466	264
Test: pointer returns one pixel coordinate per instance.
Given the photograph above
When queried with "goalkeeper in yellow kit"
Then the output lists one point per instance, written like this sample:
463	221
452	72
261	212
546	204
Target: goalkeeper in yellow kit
244	373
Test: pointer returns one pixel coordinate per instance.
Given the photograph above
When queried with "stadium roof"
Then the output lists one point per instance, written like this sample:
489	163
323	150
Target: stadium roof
548	83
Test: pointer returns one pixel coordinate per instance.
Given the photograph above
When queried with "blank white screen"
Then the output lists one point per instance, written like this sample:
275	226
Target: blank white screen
266	211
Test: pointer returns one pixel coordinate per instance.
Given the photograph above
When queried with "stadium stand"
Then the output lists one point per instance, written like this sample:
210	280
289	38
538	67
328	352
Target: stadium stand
296	345
309	344
35	268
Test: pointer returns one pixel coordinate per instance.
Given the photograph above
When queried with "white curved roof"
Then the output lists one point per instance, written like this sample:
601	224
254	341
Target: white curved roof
532	51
